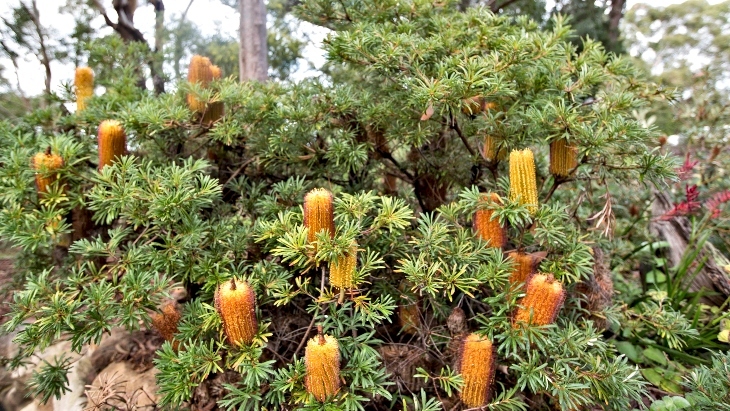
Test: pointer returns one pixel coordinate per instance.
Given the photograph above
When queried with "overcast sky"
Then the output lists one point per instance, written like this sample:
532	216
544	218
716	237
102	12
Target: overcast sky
210	16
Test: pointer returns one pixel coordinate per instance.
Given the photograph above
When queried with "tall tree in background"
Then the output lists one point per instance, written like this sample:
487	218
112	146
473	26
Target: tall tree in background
253	60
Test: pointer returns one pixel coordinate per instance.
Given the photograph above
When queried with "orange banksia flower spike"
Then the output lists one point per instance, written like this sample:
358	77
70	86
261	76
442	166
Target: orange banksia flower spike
322	360
543	299
489	229
319	213
45	164
477	364
199	72
112	142
342	273
522	179
525	265
235	302
563	158
84	84
166	322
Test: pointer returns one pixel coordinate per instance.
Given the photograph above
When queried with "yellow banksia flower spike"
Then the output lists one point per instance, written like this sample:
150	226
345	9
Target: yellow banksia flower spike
112	142
525	265
84	84
166	322
235	302
342	272
45	164
319	213
322	361
215	110
493	150
543	299
477	364
522	179
489	229
563	158
199	72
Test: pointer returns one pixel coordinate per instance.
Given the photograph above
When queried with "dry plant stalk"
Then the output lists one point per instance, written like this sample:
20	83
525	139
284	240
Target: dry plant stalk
477	366
488	228
322	360
235	302
522	179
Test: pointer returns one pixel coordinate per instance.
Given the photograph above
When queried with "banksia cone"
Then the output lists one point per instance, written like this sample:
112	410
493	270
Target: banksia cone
522	180
525	265
563	158
199	72
112	142
319	213
45	164
543	300
477	366
322	359
493	150
235	302
342	273
215	110
84	83
489	229
166	322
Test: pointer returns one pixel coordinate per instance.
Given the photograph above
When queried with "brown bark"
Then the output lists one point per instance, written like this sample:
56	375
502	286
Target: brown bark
676	232
614	18
252	57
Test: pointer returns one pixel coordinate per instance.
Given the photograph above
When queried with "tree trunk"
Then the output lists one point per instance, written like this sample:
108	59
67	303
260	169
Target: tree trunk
614	18
252	58
158	77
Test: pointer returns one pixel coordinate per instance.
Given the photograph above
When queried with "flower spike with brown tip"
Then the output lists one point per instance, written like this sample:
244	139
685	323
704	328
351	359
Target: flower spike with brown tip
493	150
542	301
522	179
112	142
487	228
45	164
563	158
199	72
84	83
166	322
235	302
477	365
322	361
319	213
342	272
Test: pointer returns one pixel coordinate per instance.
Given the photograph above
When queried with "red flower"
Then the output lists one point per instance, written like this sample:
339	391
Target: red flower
713	204
685	171
688	206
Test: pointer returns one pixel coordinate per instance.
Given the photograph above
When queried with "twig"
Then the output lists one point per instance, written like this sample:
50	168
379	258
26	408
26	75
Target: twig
235	174
455	126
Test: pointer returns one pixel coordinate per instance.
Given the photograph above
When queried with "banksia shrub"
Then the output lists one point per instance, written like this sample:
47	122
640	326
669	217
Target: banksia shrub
342	272
215	110
522	180
524	267
235	302
477	365
542	301
322	360
563	158
319	213
84	84
112	142
199	72
166	321
493	150
45	164
487	228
